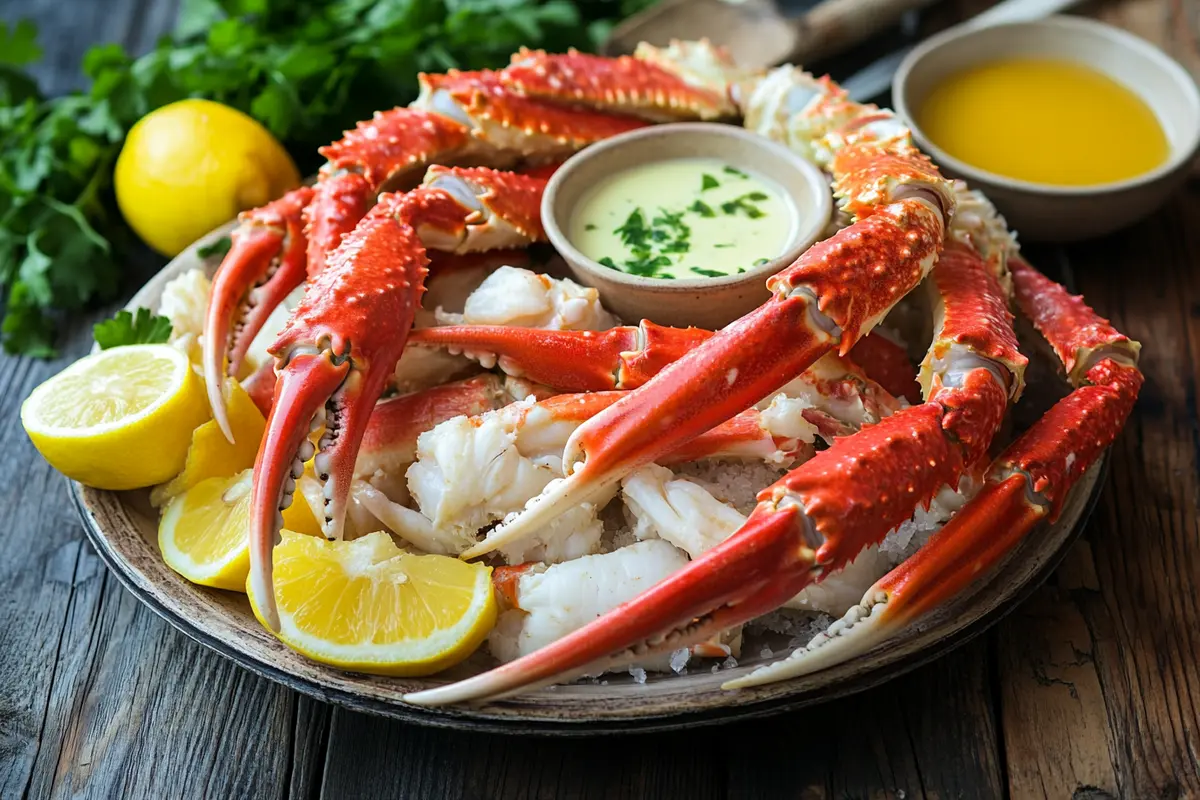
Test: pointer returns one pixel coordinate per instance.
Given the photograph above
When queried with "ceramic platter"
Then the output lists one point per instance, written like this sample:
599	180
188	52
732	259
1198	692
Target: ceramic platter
123	528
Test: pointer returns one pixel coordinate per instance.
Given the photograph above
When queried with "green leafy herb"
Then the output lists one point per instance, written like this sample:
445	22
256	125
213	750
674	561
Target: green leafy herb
306	69
708	182
744	205
126	328
217	249
589	227
734	171
708	273
724	245
760	261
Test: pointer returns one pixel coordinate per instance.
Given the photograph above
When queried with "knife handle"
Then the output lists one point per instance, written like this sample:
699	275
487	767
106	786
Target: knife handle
834	25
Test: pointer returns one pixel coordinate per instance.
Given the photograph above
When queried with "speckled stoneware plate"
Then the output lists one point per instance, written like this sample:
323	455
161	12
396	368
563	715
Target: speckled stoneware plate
122	526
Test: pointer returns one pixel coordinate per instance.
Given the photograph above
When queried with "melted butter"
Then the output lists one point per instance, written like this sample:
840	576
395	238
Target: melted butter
1044	121
683	218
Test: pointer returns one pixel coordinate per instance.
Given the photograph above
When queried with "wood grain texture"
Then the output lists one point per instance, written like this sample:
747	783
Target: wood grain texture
1089	690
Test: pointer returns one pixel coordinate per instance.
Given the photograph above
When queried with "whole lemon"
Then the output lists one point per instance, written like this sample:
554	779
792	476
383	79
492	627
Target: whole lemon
192	165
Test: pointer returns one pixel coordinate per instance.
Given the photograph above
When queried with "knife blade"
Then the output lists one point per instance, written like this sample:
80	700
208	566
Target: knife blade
876	78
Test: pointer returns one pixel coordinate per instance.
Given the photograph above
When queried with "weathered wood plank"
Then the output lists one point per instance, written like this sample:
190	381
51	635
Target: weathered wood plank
1101	672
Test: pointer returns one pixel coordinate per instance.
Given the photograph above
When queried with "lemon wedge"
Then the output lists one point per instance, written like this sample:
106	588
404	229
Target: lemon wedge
204	534
210	454
366	605
118	419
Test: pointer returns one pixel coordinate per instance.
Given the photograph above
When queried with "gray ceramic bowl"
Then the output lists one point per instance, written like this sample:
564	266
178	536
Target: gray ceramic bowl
1040	212
705	302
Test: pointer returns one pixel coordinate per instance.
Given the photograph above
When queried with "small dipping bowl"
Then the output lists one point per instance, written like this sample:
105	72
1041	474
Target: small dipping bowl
704	302
1044	212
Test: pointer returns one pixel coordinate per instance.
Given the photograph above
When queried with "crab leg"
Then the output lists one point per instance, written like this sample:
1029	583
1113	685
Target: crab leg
460	118
341	346
1028	483
821	515
264	263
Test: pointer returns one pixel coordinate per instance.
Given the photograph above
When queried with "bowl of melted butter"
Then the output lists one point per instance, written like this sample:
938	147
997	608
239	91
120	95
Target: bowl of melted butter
1072	127
682	224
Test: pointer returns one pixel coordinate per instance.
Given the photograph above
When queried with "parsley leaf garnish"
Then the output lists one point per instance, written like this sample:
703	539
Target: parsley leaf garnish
126	328
708	273
733	171
217	249
708	182
702	208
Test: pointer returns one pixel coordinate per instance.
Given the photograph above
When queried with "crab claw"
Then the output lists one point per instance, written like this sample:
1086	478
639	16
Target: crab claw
265	262
337	354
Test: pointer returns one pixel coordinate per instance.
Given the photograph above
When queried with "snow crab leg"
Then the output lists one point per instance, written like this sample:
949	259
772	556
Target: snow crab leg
460	118
818	517
341	346
1025	485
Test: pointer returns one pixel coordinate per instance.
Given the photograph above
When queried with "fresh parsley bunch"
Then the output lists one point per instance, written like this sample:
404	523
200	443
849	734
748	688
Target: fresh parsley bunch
307	70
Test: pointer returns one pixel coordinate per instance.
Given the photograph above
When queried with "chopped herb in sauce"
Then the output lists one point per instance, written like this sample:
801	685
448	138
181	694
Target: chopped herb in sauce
658	221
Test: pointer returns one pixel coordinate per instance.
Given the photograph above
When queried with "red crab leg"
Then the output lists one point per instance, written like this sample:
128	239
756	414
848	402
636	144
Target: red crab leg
1028	483
822	514
264	263
620	358
342	344
828	299
661	92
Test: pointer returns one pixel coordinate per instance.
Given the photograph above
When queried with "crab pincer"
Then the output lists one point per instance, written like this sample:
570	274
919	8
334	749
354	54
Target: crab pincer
266	261
340	348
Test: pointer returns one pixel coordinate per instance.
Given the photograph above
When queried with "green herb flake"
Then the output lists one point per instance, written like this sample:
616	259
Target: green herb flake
217	249
702	208
708	273
589	227
608	262
734	171
708	182
759	262
126	328
724	245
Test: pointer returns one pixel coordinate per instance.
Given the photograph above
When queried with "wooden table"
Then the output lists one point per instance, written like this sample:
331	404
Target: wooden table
1089	690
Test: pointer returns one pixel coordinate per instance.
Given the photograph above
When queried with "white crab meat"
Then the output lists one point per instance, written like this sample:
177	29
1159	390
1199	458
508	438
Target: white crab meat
184	302
469	473
571	535
565	597
685	513
679	510
520	298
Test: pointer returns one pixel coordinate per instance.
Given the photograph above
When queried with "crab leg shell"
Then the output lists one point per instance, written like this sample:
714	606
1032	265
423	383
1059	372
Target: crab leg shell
340	348
625	84
264	263
828	299
570	361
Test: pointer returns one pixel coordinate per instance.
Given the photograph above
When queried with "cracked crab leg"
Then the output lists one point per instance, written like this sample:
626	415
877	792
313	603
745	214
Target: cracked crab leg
1028	483
341	346
821	515
460	118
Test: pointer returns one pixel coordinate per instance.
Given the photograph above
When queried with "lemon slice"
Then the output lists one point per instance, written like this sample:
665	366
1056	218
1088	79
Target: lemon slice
204	534
118	419
210	454
368	606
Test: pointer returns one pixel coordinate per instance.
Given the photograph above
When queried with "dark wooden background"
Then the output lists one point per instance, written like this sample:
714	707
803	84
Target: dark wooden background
1090	690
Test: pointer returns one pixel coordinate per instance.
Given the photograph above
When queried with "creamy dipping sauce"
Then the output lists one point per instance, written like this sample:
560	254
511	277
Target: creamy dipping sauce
683	218
1044	121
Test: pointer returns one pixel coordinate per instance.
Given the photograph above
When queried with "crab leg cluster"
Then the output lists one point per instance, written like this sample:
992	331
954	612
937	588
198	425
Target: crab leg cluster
510	466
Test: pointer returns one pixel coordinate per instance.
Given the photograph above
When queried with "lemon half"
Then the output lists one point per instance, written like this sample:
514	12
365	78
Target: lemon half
368	606
118	419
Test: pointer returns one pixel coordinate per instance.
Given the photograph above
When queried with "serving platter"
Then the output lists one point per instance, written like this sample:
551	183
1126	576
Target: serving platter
122	527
